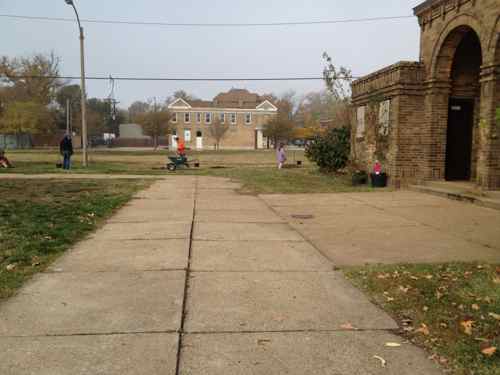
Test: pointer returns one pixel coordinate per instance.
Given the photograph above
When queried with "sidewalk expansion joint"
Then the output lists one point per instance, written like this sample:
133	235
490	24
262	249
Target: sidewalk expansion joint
53	272
193	271
186	282
305	238
118	333
287	331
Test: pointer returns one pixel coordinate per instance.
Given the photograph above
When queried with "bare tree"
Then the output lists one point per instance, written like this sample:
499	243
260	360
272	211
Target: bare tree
218	131
155	122
338	79
136	108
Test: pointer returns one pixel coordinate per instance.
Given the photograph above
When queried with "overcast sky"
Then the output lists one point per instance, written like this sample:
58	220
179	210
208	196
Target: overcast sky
125	50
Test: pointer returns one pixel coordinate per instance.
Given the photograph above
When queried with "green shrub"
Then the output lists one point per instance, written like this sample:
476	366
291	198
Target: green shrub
330	150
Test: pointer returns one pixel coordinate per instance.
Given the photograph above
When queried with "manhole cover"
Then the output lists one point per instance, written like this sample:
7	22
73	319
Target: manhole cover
303	217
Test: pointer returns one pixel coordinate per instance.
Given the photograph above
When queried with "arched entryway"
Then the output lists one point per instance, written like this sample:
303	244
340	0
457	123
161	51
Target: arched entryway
461	60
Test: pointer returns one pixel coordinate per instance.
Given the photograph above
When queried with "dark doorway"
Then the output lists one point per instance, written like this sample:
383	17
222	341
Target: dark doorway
459	140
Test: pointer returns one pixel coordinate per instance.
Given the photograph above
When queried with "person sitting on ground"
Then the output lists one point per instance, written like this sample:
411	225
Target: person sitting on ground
4	162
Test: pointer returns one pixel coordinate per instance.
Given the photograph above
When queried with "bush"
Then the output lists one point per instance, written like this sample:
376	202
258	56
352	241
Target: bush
330	151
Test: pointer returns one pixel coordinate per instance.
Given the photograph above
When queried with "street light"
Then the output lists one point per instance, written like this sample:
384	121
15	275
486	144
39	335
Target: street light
84	93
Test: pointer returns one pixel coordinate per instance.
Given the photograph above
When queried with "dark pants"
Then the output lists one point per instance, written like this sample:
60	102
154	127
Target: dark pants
67	160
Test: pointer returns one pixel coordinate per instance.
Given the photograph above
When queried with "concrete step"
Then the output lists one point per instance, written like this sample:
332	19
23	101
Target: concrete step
441	190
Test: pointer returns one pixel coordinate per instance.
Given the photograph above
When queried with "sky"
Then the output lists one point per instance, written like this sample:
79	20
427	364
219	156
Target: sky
155	51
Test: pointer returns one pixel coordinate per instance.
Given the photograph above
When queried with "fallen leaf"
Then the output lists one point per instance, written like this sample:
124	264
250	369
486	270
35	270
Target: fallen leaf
11	267
392	344
425	308
488	352
439	295
494	316
475	307
423	330
496	280
403	289
348	326
467	326
383	362
429	277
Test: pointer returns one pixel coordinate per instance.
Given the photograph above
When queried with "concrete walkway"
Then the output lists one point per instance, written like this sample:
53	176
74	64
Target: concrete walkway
192	278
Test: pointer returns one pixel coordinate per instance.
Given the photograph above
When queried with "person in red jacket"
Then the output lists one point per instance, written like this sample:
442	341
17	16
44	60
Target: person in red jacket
181	148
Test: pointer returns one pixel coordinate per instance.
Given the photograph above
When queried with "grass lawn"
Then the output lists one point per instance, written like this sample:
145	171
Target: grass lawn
40	219
452	310
256	170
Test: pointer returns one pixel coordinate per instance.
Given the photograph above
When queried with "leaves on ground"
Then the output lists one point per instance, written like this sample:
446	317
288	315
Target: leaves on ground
452	310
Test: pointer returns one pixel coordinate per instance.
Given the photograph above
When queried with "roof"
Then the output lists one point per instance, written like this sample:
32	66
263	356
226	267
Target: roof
426	5
234	98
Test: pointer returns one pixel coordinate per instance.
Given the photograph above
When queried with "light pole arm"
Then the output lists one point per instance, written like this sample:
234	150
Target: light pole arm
77	16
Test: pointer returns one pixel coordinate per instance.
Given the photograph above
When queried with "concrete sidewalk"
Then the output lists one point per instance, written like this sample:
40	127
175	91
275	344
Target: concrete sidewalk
192	278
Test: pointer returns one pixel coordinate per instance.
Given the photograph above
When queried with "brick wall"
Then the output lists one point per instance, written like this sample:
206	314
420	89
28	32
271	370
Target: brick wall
420	93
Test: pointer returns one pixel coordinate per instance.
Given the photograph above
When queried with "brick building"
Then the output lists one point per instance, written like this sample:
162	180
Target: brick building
437	119
245	114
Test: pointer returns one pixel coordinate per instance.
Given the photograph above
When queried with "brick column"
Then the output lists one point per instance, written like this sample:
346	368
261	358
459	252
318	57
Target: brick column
434	129
488	163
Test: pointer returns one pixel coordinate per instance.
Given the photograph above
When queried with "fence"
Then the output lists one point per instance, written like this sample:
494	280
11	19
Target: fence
12	141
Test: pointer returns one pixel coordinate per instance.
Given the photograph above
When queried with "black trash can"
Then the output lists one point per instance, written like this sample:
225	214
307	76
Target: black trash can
359	178
379	180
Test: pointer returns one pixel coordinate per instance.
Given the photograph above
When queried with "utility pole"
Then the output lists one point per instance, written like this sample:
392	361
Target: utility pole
84	92
68	118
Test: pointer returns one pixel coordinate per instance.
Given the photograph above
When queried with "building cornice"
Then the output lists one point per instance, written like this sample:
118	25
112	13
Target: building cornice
430	10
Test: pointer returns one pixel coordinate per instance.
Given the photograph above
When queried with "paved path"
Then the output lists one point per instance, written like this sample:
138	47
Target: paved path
192	278
392	227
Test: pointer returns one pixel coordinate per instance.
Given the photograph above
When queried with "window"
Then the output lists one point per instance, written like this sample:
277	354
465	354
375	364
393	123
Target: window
208	118
174	117
222	117
187	135
198	117
187	118
360	117
233	118
248	118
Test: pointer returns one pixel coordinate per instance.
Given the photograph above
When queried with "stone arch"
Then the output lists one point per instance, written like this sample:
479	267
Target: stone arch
494	45
448	41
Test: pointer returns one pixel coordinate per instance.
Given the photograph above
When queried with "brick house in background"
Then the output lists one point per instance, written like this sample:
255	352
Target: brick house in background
245	114
437	119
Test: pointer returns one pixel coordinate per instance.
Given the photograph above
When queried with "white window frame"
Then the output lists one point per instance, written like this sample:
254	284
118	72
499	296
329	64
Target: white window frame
222	117
187	115
174	117
246	118
187	135
198	117
233	118
208	115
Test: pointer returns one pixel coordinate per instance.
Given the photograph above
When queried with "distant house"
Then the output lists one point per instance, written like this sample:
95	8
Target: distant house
245	113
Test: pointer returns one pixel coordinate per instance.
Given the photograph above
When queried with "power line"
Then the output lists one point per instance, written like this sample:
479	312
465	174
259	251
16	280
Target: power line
171	24
174	79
